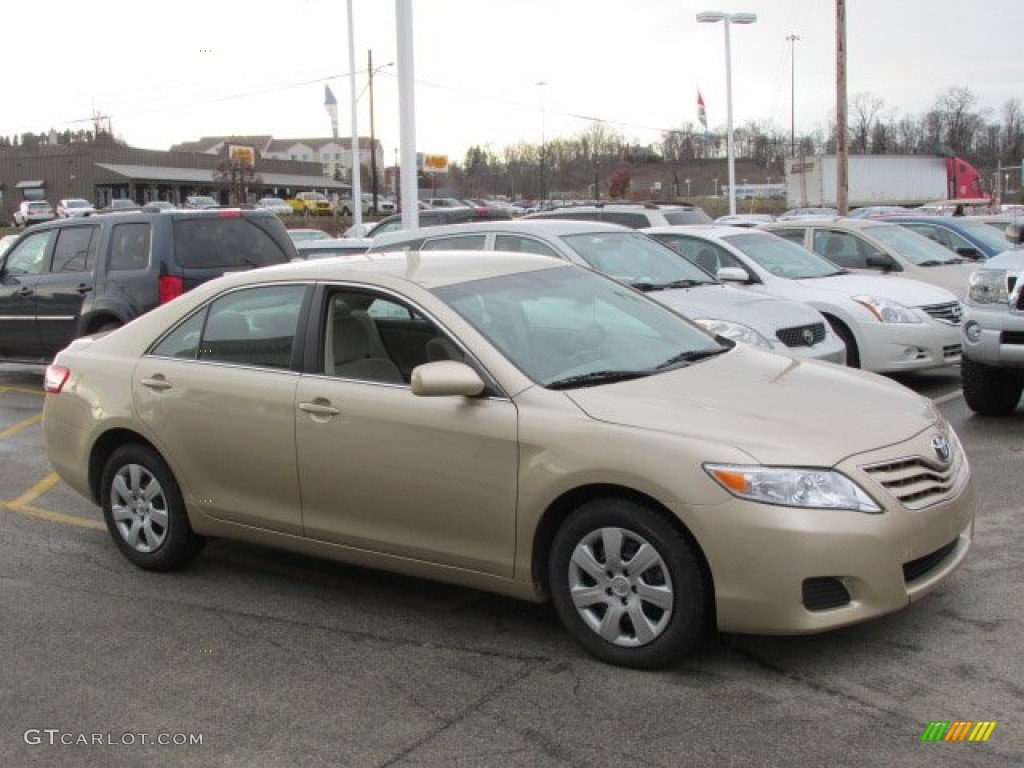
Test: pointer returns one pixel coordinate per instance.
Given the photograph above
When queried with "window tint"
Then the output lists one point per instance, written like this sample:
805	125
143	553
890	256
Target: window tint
842	248
519	244
75	250
129	246
455	243
29	256
254	326
183	341
228	242
793	235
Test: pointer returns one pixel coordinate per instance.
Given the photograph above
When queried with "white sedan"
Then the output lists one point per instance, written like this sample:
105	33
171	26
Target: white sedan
889	324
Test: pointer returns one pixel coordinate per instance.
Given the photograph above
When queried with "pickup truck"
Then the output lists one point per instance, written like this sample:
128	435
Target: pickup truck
311	204
992	369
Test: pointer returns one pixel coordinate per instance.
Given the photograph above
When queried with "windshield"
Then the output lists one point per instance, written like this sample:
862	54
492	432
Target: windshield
76	204
914	247
781	257
636	259
568	327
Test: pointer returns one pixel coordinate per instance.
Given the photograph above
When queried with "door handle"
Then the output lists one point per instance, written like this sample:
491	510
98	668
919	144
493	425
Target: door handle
319	409
25	291
157	383
83	288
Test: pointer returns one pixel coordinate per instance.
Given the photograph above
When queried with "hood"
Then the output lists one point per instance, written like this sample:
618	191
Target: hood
776	409
765	314
905	290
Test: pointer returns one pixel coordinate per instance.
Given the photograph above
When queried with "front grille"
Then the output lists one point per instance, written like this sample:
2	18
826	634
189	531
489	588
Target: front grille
1012	337
915	482
950	313
915	569
824	592
802	335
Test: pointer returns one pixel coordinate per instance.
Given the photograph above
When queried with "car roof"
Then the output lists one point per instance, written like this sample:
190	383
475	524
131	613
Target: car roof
550	227
430	269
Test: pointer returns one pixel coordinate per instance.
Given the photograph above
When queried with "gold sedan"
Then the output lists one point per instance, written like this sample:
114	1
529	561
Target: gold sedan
514	424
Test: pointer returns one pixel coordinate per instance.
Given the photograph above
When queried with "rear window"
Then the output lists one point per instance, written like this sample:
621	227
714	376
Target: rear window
231	242
686	216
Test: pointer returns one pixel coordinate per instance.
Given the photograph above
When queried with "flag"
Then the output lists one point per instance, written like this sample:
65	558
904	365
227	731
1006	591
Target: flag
702	114
331	105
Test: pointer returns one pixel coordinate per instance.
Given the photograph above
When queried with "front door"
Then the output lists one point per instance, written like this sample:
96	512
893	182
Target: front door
384	470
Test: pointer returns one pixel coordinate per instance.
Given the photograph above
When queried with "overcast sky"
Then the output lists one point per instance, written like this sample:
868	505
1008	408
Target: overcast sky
171	73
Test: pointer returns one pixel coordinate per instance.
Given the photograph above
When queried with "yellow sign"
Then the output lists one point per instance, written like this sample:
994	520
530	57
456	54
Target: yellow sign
435	163
241	154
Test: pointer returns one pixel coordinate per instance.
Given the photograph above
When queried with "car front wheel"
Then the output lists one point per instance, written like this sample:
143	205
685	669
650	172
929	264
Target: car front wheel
144	510
628	585
988	390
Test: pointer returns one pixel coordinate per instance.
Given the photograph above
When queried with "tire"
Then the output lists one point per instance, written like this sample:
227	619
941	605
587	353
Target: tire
844	334
988	390
144	510
645	620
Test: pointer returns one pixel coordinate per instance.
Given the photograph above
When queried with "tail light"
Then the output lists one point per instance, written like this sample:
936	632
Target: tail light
55	379
171	287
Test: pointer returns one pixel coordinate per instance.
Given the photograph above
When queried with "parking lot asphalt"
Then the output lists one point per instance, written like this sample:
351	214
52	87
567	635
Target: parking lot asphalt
252	657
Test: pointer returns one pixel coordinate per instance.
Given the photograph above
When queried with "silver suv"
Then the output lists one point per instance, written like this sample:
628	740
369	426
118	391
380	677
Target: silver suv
632	215
992	371
767	322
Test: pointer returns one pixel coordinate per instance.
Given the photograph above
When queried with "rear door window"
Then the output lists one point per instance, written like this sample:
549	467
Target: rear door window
75	250
230	242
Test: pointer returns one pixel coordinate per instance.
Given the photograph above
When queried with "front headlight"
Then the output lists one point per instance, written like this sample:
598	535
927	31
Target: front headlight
734	331
792	487
887	310
987	286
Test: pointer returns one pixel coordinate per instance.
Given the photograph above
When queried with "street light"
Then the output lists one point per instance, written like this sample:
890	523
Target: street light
543	140
792	93
711	17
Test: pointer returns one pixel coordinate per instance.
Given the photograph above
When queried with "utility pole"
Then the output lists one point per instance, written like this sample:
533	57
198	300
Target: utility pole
373	135
792	93
842	152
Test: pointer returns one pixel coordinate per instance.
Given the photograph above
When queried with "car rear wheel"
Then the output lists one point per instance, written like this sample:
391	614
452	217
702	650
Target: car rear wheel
627	584
144	510
990	391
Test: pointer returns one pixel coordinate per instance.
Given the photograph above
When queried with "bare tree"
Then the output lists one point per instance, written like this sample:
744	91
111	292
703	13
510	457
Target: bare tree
865	110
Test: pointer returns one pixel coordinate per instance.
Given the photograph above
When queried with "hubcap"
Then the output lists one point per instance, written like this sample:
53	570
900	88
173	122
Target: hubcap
139	508
621	587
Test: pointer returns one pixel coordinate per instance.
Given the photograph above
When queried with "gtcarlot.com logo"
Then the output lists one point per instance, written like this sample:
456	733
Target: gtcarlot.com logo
958	730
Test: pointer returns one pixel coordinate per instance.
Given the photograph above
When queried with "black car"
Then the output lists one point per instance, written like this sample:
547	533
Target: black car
73	277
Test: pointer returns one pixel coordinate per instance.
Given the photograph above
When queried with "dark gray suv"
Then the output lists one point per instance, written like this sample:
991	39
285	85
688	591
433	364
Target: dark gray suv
73	277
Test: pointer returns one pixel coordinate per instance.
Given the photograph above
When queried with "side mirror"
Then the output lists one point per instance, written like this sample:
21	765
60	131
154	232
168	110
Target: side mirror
446	378
732	275
968	252
882	261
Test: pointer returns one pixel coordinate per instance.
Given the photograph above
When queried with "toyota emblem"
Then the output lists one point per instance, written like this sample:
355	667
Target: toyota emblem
941	447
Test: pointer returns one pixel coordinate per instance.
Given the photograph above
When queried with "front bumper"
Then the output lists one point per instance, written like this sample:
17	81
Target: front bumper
994	336
781	570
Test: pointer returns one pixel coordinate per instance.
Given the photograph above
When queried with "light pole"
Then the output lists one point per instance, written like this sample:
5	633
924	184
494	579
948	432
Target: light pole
792	93
543	140
711	17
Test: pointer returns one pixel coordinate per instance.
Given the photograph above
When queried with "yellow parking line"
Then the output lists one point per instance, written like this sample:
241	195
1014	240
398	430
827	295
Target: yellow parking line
15	428
53	517
22	505
23	390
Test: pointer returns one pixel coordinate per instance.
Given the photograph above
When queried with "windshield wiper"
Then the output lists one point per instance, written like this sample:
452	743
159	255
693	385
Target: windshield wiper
594	378
937	263
690	356
648	287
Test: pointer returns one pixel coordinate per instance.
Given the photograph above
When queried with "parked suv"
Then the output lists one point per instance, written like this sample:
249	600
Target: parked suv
73	277
992	371
632	215
33	212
